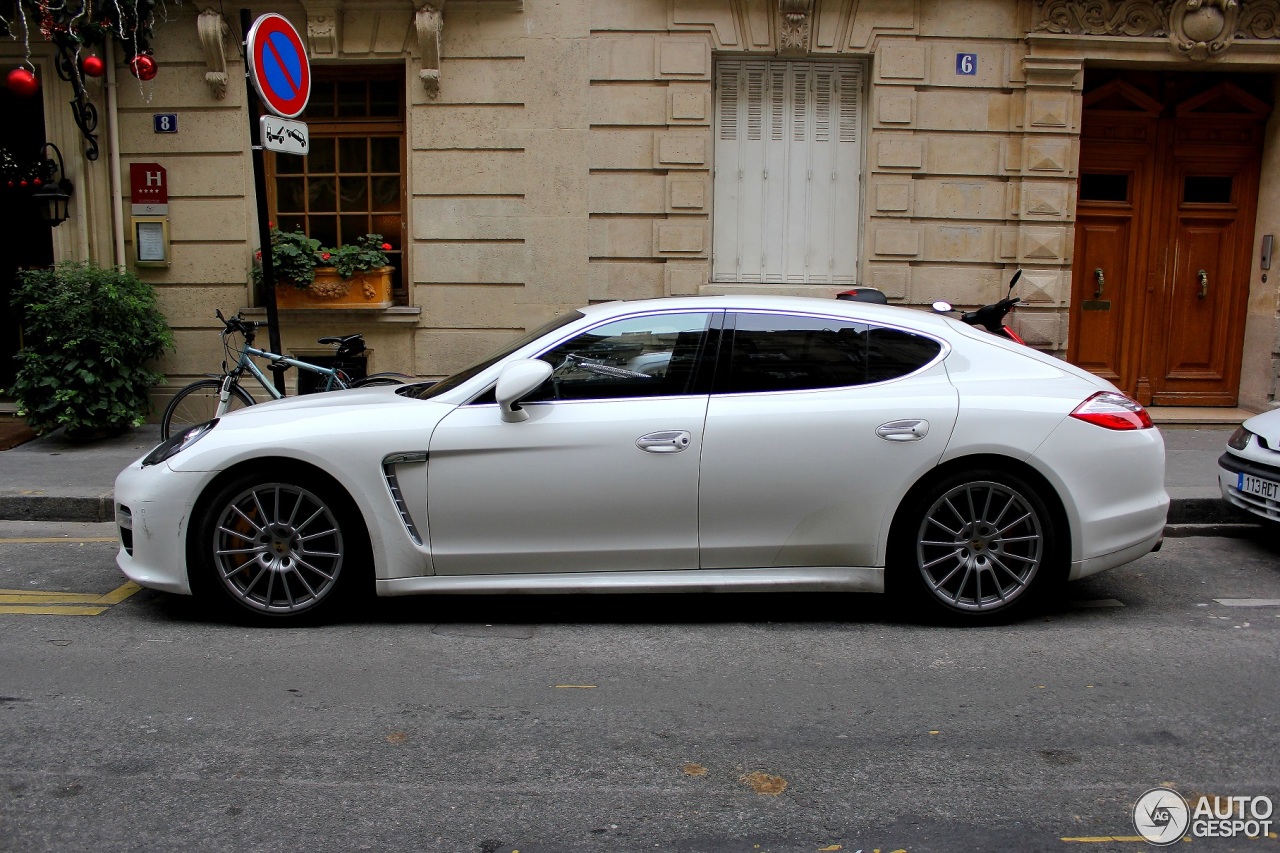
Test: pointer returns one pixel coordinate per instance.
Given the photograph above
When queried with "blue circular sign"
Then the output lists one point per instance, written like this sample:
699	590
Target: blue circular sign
278	65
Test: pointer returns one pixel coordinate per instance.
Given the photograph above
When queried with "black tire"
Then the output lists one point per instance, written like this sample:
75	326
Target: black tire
978	547
278	549
198	403
384	379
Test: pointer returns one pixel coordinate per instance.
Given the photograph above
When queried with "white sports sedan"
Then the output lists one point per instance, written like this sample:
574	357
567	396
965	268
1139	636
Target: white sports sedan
715	443
1249	472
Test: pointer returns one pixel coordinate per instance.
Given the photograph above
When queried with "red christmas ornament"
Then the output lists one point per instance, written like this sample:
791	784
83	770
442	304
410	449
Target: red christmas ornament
36	182
22	183
144	67
93	66
23	82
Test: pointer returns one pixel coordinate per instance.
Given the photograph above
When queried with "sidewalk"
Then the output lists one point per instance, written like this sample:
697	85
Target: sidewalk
52	479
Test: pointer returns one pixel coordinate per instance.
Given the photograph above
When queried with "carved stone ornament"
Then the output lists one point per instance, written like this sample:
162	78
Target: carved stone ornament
212	29
430	21
1196	29
797	17
323	21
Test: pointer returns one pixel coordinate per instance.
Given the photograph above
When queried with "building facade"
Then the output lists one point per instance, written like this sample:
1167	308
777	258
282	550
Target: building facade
525	157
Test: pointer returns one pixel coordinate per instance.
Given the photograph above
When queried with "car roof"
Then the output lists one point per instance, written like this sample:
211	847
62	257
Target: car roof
892	314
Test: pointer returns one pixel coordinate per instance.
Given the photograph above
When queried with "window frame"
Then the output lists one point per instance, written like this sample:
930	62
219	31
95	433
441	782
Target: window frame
338	128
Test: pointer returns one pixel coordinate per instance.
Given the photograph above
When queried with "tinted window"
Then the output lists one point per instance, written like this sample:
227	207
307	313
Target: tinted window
781	353
637	357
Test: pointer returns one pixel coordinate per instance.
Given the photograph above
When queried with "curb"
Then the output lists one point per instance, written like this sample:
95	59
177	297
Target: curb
57	509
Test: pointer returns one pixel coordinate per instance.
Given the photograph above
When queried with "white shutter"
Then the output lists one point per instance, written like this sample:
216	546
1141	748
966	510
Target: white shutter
787	171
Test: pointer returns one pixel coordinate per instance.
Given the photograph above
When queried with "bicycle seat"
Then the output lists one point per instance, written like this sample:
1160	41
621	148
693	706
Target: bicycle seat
348	346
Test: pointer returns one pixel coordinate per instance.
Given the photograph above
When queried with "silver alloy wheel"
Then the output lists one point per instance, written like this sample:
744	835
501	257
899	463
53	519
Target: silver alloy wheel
277	548
979	546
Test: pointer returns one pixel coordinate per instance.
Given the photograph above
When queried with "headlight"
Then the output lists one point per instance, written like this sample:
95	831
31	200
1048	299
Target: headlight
1239	439
175	444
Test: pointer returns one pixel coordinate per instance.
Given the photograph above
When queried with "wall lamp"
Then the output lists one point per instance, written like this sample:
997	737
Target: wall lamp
52	198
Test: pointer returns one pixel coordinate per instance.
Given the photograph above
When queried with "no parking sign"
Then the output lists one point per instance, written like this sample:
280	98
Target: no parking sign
278	65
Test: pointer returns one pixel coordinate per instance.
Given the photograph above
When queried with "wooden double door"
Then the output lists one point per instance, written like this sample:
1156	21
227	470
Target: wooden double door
1164	234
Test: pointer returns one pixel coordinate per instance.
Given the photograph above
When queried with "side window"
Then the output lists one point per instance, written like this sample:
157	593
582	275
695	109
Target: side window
776	352
651	356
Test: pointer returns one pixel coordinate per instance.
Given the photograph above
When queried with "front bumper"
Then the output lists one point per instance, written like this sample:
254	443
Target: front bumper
153	514
1230	467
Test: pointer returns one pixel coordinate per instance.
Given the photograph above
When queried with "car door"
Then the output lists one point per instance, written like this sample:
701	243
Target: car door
814	432
603	476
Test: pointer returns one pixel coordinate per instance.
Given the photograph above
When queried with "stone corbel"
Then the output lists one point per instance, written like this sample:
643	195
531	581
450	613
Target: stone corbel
322	28
430	22
213	29
797	16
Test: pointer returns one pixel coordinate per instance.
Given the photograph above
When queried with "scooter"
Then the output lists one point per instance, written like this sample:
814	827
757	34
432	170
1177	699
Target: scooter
989	317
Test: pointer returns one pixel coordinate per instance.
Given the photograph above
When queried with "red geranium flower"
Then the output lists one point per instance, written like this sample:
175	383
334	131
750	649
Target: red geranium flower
386	247
324	255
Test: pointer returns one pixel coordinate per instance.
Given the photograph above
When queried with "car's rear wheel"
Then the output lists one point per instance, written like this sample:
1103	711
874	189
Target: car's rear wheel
980	546
279	549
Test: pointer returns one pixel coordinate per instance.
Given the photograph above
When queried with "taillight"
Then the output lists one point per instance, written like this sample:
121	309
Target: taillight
1113	411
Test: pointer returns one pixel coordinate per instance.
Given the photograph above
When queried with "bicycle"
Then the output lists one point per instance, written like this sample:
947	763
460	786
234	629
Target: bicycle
206	399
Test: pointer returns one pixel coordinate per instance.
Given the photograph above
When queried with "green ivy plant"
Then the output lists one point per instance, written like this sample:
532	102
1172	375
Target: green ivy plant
89	334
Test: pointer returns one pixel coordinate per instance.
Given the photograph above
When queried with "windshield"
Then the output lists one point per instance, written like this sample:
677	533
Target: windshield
426	391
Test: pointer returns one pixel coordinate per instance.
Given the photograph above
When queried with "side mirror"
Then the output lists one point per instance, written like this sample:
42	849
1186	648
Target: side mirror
517	380
942	307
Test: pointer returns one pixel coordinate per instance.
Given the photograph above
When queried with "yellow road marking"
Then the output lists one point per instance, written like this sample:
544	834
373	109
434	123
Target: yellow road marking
48	540
37	603
61	610
577	686
1099	839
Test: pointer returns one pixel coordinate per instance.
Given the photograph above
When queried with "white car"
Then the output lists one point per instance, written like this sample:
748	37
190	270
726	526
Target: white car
764	443
1249	472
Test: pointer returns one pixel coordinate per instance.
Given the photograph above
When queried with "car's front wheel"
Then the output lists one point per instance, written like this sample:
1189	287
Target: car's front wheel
278	548
980	545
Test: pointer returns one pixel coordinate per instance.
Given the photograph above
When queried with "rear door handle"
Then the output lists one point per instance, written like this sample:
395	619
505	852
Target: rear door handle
910	429
666	441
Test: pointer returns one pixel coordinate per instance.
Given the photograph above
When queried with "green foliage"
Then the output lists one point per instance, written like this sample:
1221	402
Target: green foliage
88	334
296	256
367	253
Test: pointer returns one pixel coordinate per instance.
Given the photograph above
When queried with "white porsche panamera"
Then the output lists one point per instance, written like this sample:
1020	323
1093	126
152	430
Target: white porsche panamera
713	443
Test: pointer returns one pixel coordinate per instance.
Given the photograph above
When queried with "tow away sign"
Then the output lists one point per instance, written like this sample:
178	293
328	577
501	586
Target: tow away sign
283	135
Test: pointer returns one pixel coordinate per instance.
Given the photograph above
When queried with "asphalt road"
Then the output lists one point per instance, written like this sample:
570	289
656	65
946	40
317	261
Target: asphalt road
129	721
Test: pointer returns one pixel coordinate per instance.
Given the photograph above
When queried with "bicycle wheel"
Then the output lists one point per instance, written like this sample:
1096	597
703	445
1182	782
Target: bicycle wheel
384	379
198	403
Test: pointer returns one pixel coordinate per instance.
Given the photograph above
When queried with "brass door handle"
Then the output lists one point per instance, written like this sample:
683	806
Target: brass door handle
1097	294
1204	284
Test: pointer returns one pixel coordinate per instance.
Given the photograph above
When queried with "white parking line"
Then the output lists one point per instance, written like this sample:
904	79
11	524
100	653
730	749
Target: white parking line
1248	602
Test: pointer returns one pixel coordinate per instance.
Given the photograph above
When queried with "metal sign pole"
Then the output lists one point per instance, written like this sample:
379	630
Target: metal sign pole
260	191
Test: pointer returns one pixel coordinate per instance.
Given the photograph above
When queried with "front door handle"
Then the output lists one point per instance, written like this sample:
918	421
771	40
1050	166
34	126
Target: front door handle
667	441
911	429
1204	284
1097	294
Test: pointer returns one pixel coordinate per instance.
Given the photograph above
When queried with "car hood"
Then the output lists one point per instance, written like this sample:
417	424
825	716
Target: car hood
1266	425
318	428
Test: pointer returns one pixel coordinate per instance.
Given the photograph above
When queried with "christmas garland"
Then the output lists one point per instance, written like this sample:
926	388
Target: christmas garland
31	176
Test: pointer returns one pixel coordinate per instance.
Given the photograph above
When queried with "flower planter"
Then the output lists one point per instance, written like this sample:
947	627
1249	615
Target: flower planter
370	289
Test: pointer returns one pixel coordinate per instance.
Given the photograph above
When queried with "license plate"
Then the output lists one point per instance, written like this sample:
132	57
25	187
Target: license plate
1257	486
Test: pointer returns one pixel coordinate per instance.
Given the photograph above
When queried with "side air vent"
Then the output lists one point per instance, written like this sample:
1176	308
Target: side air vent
389	470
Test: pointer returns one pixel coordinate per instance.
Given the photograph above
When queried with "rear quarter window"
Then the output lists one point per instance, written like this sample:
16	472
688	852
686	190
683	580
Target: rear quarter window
775	352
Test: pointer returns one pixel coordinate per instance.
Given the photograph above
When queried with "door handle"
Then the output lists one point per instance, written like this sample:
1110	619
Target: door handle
667	441
911	429
1097	294
1204	284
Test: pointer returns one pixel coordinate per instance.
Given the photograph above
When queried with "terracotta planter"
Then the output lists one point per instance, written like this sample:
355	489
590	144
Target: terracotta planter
363	290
